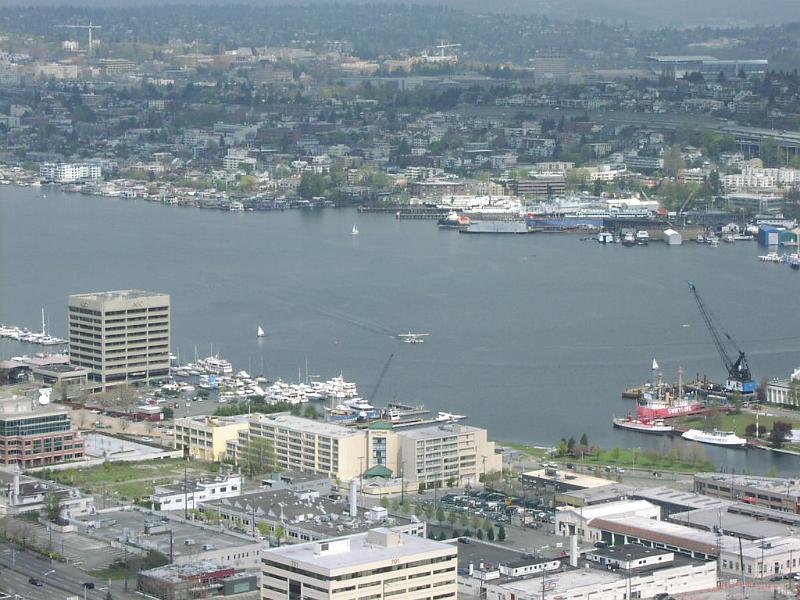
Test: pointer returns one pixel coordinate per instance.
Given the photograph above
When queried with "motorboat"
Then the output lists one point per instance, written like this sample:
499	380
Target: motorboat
642	237
643	425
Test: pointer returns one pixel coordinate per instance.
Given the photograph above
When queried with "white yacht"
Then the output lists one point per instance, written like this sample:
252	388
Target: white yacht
355	230
715	437
642	237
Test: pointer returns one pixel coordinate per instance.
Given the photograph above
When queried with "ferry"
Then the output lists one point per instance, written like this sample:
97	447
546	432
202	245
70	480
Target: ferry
715	437
643	425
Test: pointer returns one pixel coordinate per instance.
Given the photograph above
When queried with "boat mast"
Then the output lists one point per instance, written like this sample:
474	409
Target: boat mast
44	329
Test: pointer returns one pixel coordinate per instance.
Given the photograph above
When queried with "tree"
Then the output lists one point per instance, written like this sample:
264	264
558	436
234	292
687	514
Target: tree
501	534
53	506
584	440
490	534
769	152
310	412
440	515
479	534
673	160
257	457
247	183
384	502
777	436
280	532
264	528
311	185
452	518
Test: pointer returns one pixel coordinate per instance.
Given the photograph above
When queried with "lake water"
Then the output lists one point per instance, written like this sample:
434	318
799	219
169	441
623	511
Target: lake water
533	336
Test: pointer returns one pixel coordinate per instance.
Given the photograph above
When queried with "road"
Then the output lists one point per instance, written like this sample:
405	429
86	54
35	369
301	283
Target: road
62	580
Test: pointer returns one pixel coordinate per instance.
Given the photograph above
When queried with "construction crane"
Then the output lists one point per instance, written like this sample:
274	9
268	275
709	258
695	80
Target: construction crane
380	378
90	27
739	377
442	46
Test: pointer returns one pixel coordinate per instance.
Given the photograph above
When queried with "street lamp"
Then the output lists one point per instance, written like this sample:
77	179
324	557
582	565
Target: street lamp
48	573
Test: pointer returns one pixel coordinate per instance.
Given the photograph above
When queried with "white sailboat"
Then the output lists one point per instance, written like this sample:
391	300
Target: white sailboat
260	332
355	229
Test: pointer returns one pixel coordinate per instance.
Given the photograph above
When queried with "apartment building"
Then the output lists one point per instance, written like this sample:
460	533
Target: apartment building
69	172
454	454
308	445
206	438
380	563
32	434
122	337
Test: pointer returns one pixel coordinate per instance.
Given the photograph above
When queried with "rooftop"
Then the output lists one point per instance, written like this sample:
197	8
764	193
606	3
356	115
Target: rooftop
629	552
746	526
115	295
13	406
596	495
775	485
662	531
432	432
362	549
623	507
665	495
305	425
569	478
178	573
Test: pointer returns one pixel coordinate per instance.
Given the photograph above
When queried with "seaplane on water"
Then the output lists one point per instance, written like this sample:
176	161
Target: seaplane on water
413	338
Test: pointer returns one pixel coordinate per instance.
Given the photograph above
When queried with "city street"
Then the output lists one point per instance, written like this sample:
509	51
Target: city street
60	580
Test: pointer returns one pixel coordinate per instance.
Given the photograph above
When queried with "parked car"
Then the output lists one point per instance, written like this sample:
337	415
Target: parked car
36	582
89	585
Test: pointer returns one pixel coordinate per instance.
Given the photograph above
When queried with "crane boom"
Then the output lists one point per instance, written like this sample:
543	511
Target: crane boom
739	376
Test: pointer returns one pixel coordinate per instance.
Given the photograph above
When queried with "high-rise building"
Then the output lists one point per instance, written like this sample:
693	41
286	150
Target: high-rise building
380	563
122	337
33	434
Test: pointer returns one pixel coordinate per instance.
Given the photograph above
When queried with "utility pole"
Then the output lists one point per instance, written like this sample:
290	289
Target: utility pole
170	546
185	495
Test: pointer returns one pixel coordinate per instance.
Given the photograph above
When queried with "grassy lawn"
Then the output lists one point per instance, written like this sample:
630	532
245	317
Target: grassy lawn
534	451
736	423
131	480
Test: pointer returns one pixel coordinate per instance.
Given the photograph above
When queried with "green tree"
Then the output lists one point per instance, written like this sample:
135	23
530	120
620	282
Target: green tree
501	534
384	502
479	534
452	518
280	533
490	534
769	152
311	412
673	160
53	506
247	183
257	457
777	436
311	185
616	452
264	528
584	440
440	515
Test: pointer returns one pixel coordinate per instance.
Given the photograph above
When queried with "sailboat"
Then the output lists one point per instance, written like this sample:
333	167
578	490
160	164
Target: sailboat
355	230
260	332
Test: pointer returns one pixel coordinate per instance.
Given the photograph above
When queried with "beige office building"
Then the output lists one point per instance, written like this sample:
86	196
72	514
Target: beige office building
122	337
378	564
206	438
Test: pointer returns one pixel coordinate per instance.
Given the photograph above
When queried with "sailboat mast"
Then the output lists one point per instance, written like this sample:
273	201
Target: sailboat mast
44	329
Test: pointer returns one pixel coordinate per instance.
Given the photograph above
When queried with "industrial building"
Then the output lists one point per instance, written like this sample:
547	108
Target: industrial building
777	493
189	495
194	580
380	563
578	521
122	337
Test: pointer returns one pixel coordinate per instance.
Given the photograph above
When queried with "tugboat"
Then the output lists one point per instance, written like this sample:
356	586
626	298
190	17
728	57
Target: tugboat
453	220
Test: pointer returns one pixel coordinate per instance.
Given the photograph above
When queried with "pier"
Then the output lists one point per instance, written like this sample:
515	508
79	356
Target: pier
408	212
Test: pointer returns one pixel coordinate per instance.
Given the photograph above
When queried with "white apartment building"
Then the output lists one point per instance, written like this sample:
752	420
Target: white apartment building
378	564
69	172
752	178
122	337
174	497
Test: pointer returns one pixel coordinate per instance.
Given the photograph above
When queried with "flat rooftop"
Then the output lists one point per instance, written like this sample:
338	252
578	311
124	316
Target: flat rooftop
604	493
357	551
432	432
116	449
115	295
775	485
749	527
606	509
20	407
305	425
477	552
569	478
665	495
188	539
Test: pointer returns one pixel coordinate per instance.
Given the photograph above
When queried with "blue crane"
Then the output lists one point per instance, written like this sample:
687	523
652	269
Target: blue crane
739	377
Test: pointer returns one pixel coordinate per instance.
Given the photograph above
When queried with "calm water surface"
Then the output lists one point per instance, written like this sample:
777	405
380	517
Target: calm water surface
533	336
